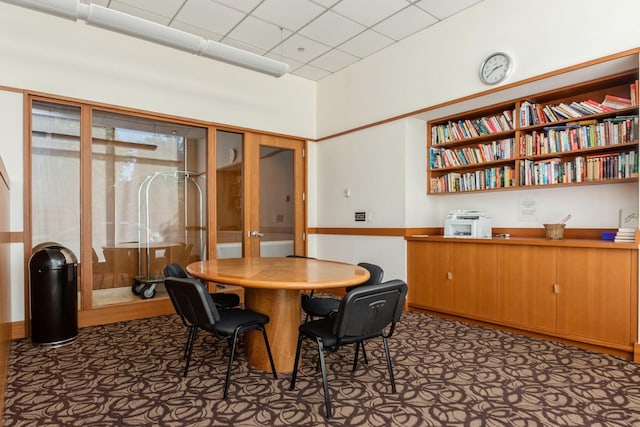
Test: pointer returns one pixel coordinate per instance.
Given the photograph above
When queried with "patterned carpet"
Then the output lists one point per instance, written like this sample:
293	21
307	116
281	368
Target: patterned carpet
447	374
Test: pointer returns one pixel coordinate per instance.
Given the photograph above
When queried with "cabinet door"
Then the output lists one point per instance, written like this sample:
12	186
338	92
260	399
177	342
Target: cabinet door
428	272
525	287
473	273
594	294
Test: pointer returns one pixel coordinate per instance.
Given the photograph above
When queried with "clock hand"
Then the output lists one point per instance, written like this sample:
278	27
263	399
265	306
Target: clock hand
494	69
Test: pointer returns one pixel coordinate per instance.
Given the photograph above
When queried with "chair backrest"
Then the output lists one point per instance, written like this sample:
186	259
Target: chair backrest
192	301
175	270
376	273
367	310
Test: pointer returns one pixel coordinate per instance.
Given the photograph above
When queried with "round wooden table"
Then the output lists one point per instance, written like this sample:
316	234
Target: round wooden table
272	286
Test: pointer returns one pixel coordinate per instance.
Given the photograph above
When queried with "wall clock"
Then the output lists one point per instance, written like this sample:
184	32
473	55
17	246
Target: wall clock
232	155
495	68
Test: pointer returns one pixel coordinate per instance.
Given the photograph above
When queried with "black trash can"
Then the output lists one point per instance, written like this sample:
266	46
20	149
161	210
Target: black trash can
54	296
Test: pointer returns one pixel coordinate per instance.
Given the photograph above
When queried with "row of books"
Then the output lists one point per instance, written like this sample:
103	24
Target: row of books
531	114
471	128
579	136
490	178
482	153
625	235
579	169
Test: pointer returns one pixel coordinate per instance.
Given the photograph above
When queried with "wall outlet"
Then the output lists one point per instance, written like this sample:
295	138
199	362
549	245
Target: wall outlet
360	216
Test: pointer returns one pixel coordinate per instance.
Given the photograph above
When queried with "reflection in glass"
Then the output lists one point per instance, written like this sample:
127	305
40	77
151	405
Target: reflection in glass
276	201
55	175
148	199
229	194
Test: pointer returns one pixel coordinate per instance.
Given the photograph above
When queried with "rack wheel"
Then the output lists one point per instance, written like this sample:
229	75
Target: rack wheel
149	291
136	288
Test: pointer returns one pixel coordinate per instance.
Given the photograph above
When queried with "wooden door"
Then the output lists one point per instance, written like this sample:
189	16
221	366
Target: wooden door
473	270
428	275
526	281
595	300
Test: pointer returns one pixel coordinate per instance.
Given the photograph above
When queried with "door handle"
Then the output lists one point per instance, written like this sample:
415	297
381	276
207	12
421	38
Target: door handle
256	233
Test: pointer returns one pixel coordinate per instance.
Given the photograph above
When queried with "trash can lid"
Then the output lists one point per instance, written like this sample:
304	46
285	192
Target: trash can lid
53	257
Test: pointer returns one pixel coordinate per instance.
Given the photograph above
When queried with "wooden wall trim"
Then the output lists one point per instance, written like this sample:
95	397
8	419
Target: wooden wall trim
569	233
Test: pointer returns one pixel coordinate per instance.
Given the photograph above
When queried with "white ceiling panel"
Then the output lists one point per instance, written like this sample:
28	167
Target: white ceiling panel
245	6
209	16
332	29
290	14
369	12
166	8
334	60
302	49
366	43
315	37
406	22
256	32
443	9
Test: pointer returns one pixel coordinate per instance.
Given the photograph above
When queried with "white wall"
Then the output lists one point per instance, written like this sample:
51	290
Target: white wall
435	66
39	52
44	53
442	62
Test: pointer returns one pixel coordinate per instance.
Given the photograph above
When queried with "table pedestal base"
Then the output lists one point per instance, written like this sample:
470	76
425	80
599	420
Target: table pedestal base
283	308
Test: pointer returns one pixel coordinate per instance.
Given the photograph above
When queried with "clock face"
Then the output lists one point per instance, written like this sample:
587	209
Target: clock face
495	68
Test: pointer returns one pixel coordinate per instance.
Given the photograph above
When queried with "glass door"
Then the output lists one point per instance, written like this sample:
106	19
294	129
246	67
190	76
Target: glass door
260	195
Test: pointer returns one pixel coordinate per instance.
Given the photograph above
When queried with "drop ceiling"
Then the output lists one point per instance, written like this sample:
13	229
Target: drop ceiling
315	37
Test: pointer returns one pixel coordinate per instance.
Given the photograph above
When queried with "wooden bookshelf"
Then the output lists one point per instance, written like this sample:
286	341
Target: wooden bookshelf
564	136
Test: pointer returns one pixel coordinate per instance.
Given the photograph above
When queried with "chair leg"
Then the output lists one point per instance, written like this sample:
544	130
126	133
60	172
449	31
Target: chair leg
389	366
296	363
359	345
325	384
234	337
193	332
266	343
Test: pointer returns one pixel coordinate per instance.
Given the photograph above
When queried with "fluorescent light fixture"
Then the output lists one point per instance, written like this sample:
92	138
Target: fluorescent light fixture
123	23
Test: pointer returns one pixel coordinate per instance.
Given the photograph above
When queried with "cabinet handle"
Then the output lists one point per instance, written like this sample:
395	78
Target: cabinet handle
449	275
555	288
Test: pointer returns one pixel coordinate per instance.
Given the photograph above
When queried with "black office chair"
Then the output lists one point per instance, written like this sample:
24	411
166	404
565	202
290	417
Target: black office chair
220	299
325	306
196	309
366	312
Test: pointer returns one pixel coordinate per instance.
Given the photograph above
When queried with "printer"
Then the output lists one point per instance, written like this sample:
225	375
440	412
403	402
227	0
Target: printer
467	223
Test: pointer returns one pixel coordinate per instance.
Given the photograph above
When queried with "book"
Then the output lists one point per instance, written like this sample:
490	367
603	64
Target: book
616	102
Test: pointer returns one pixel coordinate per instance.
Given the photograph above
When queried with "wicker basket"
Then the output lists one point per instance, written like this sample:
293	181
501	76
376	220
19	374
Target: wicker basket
554	231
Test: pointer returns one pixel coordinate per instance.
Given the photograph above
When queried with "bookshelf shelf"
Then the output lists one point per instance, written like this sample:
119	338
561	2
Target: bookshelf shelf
582	134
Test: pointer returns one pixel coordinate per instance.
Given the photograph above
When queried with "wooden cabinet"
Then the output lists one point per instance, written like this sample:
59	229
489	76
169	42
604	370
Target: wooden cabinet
564	136
525	287
454	278
596	289
584	292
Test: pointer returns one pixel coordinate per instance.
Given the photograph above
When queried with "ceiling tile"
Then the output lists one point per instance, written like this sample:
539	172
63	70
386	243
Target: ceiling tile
257	32
140	13
209	35
366	43
209	16
331	29
311	73
443	9
293	64
166	8
243	5
326	3
243	46
290	14
404	23
334	60
302	49
369	12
